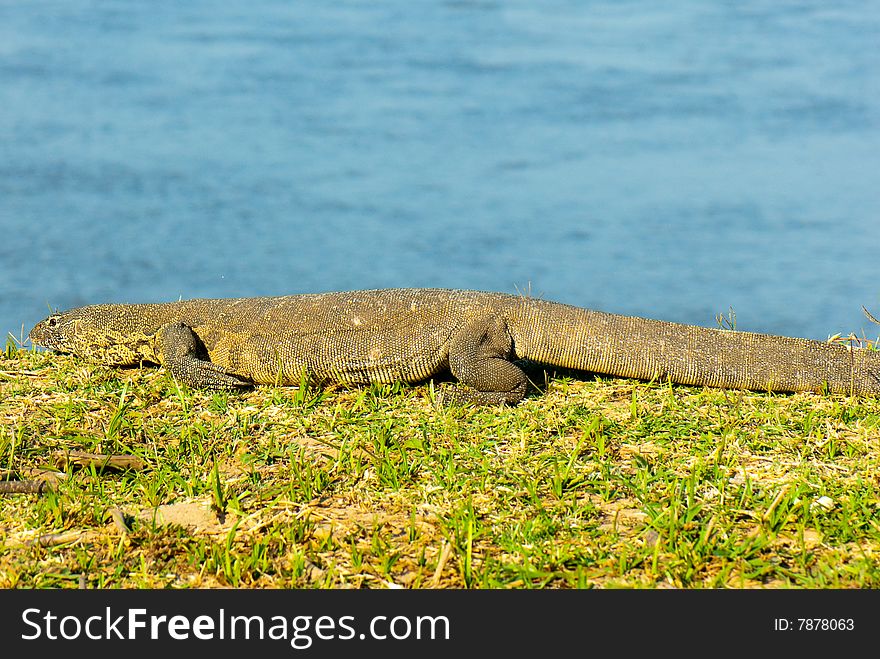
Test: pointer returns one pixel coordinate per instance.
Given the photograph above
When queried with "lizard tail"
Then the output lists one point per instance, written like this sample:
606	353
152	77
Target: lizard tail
629	346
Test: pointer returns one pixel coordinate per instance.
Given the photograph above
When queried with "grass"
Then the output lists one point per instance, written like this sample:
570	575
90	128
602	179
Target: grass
587	483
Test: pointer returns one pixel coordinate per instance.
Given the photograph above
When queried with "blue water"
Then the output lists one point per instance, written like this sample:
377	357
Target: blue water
670	160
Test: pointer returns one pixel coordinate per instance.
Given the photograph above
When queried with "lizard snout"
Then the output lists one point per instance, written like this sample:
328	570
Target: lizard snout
45	334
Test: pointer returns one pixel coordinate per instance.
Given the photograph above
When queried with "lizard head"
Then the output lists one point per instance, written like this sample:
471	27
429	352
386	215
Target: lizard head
93	332
54	332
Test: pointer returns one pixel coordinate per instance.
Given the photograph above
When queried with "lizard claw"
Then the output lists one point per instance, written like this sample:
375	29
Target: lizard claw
451	395
202	374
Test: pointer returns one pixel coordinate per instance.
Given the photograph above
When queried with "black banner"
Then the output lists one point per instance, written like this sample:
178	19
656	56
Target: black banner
292	622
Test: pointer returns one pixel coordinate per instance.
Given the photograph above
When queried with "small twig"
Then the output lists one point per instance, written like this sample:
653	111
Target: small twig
97	460
119	520
441	562
775	504
34	481
30	374
25	487
52	539
870	316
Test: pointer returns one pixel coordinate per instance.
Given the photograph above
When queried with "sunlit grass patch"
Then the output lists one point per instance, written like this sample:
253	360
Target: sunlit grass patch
587	483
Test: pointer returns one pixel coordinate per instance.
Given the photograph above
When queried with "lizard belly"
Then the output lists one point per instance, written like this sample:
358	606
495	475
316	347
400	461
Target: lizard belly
363	357
356	358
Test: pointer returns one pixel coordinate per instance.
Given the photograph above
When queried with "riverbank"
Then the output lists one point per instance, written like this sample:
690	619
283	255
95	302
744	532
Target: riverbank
594	483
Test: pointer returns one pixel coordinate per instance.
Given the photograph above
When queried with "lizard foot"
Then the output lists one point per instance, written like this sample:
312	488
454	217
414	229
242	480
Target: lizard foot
182	353
205	375
451	395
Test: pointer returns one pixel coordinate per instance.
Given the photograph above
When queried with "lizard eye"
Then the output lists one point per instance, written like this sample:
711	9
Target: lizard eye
52	322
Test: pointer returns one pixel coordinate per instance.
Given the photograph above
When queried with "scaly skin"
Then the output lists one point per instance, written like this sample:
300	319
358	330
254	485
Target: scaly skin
411	335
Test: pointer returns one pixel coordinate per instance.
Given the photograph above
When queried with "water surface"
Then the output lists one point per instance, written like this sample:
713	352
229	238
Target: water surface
636	157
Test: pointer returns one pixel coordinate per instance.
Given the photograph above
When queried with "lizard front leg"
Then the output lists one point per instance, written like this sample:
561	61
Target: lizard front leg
180	352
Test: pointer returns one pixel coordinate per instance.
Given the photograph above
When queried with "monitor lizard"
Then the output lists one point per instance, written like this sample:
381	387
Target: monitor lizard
413	334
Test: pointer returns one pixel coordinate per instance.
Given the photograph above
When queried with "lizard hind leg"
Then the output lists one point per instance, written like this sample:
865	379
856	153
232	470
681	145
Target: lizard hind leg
479	357
181	353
